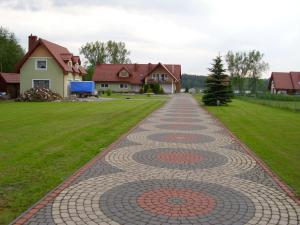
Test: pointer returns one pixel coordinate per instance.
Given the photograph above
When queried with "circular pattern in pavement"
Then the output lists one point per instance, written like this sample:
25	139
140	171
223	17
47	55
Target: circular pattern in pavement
175	201
181	120
177	126
184	159
181	138
182	115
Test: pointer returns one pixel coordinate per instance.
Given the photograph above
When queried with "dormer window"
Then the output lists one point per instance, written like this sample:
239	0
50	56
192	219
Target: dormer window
123	73
70	63
41	64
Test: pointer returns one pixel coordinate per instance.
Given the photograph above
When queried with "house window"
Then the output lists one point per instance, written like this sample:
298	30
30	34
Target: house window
41	84
104	85
123	86
41	64
123	73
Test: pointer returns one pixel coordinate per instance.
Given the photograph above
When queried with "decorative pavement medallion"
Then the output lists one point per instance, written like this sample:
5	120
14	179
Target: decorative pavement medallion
181	120
184	159
181	138
176	202
177	126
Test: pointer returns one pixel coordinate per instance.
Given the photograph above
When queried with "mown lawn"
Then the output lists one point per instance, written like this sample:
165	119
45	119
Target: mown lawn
135	96
44	143
290	105
272	133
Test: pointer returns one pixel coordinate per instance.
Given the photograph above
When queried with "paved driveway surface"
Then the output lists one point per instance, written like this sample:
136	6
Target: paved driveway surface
177	167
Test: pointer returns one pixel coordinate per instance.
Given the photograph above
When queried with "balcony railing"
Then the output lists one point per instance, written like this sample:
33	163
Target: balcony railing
161	81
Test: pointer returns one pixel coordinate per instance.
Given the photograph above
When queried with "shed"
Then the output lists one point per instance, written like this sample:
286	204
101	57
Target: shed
10	83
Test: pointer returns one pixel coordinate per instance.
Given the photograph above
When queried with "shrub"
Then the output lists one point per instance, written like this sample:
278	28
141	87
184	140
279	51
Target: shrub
141	90
155	88
145	88
161	91
149	90
108	92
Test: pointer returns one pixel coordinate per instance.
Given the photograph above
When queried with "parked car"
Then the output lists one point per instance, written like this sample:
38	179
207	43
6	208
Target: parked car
83	88
4	96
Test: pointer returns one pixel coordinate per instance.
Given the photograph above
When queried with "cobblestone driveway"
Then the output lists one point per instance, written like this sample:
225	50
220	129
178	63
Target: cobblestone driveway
177	167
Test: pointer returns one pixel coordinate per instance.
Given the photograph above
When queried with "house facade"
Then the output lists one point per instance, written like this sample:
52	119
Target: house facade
48	65
131	77
285	83
10	84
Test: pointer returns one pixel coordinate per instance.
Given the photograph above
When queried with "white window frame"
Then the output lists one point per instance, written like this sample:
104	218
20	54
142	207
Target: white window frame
32	82
125	86
41	59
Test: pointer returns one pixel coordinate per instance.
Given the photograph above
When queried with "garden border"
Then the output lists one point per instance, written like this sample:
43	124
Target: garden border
287	189
52	194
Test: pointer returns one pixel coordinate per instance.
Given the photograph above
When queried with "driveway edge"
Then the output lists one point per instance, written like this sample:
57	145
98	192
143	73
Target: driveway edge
52	194
287	189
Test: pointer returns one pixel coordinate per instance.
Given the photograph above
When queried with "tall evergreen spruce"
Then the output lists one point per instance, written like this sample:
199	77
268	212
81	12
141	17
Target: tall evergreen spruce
218	88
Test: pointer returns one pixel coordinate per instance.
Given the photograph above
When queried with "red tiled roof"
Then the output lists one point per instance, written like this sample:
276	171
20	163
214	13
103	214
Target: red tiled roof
286	81
109	72
296	80
59	53
12	78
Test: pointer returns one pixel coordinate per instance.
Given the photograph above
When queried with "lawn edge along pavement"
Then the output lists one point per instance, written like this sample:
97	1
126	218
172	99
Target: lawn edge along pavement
52	194
286	188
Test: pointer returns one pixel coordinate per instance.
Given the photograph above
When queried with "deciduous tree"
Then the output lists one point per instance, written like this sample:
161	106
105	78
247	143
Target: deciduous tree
100	52
10	51
243	65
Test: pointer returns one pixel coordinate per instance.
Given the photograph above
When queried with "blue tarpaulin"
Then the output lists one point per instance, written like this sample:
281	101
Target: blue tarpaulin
82	86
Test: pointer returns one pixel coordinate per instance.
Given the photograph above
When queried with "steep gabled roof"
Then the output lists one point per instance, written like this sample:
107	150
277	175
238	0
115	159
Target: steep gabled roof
296	80
138	72
165	68
59	53
124	68
285	81
10	78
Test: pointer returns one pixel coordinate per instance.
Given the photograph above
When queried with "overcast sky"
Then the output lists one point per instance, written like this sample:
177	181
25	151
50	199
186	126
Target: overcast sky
186	32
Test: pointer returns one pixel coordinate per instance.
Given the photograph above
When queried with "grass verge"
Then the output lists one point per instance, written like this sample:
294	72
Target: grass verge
290	105
135	96
272	133
44	143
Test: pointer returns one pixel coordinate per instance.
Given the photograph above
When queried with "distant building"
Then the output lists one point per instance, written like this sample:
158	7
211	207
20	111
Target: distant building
284	83
10	84
131	77
48	65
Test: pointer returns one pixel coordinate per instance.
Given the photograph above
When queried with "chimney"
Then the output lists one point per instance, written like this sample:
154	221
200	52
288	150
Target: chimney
135	67
149	67
31	41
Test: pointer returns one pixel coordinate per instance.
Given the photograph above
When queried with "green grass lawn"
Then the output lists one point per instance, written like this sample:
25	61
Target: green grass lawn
44	143
135	96
272	133
291	105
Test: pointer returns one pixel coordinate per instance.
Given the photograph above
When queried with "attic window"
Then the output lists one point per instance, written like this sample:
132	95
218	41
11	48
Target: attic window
41	64
123	73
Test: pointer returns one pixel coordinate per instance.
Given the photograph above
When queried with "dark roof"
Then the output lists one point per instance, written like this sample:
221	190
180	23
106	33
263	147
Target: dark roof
10	78
137	72
285	80
59	53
